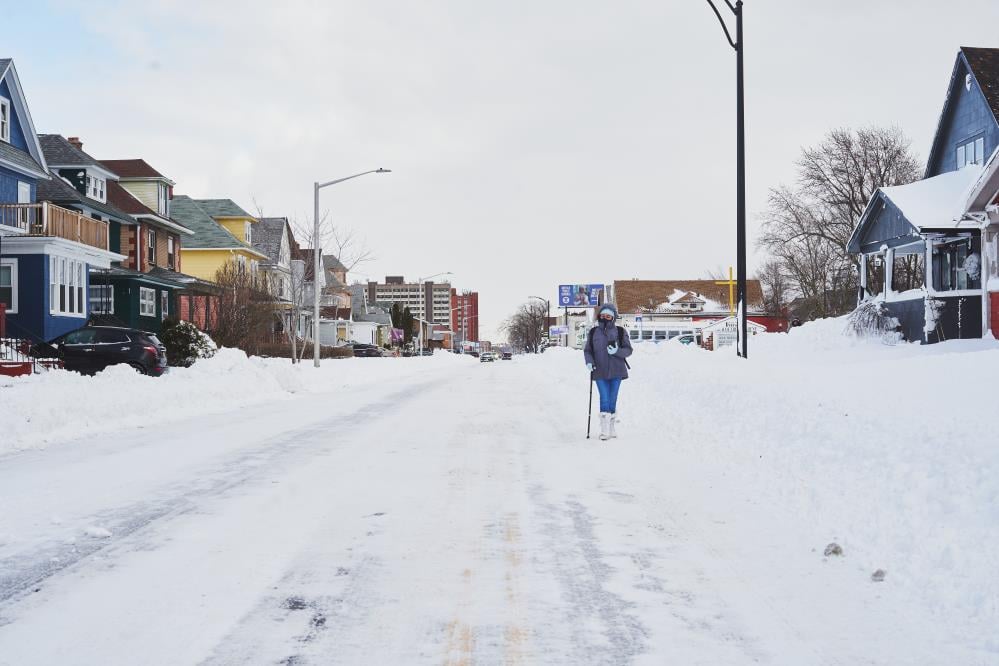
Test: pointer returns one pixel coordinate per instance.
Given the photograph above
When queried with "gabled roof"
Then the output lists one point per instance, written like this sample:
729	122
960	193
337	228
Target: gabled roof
267	235
931	203
58	191
986	189
208	234
984	67
59	153
134	169
33	162
690	297
123	200
332	263
221	208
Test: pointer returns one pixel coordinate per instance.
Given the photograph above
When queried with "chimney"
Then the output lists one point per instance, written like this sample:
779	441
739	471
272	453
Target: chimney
75	142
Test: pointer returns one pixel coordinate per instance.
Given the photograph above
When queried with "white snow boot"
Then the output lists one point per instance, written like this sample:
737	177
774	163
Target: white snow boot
605	425
611	422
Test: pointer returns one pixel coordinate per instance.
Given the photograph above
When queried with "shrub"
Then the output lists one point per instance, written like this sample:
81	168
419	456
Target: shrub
872	319
185	343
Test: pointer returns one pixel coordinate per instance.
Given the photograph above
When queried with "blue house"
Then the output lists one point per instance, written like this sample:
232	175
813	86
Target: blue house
46	251
921	253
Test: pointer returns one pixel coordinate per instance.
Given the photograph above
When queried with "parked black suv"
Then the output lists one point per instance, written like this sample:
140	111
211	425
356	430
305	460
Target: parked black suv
90	349
364	350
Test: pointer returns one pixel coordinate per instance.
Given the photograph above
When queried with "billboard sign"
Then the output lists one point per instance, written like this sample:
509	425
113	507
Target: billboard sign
579	295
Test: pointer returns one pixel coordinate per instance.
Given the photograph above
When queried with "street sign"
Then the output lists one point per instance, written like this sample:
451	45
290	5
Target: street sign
579	295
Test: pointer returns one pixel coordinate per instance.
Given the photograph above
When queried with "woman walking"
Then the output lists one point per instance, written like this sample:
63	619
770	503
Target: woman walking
607	347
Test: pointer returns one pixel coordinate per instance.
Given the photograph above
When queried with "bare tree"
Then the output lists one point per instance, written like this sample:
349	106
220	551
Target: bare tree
806	227
245	311
527	326
776	287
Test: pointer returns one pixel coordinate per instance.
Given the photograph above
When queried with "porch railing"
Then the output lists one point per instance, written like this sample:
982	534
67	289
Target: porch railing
47	219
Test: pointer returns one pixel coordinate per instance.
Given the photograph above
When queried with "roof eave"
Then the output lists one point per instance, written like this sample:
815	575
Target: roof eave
34	145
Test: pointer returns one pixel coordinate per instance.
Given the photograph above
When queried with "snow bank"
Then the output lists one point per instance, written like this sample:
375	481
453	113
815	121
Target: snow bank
59	405
889	450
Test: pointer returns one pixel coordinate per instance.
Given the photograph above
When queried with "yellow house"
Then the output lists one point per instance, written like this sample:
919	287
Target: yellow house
222	233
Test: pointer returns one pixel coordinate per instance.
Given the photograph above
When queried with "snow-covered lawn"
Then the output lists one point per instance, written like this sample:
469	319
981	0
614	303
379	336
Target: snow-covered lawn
440	510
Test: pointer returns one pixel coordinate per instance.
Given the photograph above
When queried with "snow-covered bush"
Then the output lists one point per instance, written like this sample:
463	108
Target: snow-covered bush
185	343
872	319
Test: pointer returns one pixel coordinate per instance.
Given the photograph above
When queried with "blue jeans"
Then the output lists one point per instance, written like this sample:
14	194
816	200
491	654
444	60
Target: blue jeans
608	394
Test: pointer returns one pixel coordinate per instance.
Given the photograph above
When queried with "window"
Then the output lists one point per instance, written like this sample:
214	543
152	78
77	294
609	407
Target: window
110	336
151	246
8	284
147	302
170	253
67	280
956	265
84	336
646	335
161	200
248	233
241	262
5	119
101	299
24	215
971	152
164	304
95	188
909	271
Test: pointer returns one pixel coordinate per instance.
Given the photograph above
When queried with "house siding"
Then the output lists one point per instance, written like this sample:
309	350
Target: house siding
17	138
205	263
8	185
967	116
33	319
888	227
143	190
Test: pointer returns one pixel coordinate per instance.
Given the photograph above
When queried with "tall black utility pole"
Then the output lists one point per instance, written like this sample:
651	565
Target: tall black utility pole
740	195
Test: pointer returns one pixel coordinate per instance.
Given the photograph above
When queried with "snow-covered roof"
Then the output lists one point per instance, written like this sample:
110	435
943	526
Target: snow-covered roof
937	202
984	189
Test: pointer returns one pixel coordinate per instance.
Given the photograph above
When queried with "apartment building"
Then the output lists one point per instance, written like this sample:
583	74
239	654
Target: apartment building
465	315
395	289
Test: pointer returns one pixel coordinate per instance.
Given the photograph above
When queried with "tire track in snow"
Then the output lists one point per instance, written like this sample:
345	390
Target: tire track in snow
24	573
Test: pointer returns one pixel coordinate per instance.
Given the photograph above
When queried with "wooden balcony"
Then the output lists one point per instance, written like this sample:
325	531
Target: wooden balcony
46	219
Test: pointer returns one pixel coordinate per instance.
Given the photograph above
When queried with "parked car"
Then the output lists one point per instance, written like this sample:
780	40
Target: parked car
507	356
90	349
364	350
487	357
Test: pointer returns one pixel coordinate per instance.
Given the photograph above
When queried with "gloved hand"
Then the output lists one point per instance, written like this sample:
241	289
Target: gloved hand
589	366
612	348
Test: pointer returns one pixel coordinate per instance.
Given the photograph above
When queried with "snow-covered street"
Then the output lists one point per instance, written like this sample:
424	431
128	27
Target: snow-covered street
439	510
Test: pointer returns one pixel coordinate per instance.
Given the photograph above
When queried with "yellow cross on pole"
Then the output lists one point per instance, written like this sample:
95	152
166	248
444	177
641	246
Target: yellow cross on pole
731	291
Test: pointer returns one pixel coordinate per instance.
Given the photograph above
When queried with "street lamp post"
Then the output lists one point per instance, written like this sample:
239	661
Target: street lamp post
316	259
738	45
548	317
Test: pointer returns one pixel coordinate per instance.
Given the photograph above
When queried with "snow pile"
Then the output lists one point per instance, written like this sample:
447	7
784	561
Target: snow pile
890	451
59	405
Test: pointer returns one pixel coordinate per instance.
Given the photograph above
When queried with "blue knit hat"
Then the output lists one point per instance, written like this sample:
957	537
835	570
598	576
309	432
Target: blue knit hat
608	307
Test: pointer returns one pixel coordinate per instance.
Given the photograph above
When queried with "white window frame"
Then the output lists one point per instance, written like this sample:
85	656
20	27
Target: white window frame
5	119
12	264
97	305
248	233
164	304
171	253
161	199
151	246
147	299
67	287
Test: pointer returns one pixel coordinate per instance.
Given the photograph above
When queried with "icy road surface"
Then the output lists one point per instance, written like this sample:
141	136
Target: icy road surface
455	516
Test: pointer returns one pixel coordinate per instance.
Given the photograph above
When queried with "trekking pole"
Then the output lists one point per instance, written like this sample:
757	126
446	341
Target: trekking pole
589	412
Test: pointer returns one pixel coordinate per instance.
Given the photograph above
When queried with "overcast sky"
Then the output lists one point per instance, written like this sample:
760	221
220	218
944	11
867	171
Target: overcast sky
533	143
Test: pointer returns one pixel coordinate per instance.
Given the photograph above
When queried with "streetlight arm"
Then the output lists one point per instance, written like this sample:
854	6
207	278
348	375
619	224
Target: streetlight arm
728	35
319	186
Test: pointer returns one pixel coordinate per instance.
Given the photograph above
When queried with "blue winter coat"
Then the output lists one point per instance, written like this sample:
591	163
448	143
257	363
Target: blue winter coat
607	366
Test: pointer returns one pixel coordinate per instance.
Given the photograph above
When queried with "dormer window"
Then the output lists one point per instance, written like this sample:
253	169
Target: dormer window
5	119
971	152
96	188
162	200
248	233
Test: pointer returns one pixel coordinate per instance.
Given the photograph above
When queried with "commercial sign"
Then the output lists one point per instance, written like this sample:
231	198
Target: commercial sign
554	331
579	295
